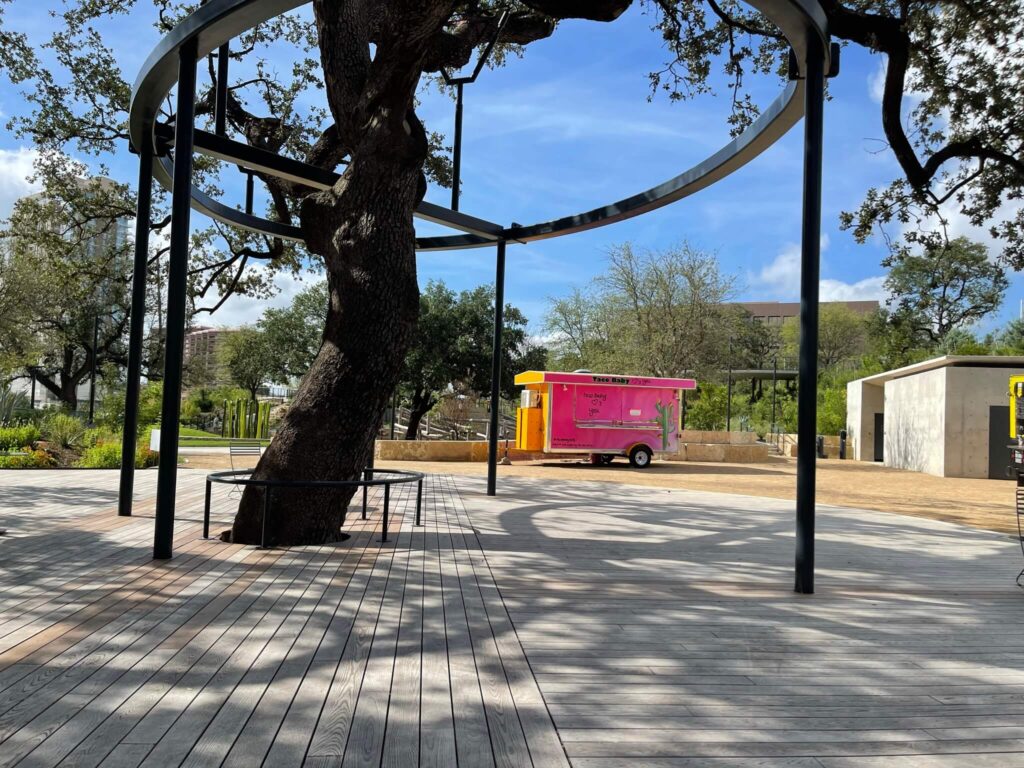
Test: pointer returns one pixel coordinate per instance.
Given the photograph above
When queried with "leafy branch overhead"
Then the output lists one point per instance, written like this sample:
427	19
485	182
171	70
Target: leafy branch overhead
951	120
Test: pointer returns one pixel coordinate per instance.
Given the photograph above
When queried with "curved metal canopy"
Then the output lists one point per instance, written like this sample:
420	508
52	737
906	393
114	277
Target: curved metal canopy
218	21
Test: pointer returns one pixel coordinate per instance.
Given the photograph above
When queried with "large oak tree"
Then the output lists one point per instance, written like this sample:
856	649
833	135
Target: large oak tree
958	144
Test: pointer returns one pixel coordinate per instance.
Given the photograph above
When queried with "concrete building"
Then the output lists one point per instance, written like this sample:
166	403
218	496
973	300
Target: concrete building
948	417
777	312
202	347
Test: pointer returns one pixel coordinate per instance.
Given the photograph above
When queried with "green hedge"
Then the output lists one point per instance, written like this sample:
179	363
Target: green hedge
34	459
108	456
18	438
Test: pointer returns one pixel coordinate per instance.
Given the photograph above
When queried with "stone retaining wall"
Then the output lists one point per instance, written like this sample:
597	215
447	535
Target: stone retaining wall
736	447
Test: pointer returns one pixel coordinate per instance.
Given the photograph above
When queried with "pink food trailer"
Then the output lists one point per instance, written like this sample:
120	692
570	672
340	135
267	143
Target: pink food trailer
600	414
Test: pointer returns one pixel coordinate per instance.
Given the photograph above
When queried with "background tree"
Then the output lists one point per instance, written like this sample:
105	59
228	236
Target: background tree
944	287
248	359
294	333
842	337
656	313
452	348
61	273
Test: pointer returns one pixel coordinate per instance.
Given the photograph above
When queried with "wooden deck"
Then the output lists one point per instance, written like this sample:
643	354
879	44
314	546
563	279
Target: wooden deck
356	654
594	624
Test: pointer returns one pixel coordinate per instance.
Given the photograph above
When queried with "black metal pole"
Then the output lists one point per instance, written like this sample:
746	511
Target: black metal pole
206	509
92	372
492	432
807	415
394	409
728	394
136	331
177	280
221	106
457	149
775	374
249	192
32	402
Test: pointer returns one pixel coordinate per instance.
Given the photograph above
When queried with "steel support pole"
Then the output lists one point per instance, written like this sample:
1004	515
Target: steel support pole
775	374
136	331
92	372
394	409
499	320
177	283
807	404
32	403
728	394
249	192
220	109
457	149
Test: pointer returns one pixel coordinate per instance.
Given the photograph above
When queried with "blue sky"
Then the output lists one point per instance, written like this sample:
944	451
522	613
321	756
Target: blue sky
570	127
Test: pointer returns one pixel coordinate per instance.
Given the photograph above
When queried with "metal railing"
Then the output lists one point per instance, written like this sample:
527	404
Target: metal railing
370	479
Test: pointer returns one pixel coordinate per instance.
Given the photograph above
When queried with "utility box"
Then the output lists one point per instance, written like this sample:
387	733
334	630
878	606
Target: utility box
1016	407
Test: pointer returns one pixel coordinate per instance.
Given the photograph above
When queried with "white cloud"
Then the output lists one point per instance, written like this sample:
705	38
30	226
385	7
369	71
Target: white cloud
876	82
15	168
246	310
863	290
780	280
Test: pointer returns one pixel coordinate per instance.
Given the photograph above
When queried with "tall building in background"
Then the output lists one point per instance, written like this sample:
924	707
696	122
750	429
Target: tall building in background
202	349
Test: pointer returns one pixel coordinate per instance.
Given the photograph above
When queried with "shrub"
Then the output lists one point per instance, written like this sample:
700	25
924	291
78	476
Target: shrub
12	404
111	413
16	438
108	456
63	429
33	459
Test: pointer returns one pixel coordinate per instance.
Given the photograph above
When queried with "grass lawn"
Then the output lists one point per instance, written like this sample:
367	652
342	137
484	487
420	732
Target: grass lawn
197	438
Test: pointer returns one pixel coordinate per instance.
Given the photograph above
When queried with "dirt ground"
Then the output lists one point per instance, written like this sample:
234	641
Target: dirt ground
985	504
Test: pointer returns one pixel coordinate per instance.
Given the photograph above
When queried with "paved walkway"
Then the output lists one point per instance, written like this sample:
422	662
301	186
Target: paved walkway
598	624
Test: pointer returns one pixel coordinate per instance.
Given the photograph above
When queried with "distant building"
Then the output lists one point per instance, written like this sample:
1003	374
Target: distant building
948	416
202	349
777	312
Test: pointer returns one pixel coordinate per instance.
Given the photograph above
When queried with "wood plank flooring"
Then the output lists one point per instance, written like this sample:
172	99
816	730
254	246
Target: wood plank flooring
588	624
662	632
354	654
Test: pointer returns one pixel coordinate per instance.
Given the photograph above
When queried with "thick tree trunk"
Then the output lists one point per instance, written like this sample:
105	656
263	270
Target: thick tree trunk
366	227
419	408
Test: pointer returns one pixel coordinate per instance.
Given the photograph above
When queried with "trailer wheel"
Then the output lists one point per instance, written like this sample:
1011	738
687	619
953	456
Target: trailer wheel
640	457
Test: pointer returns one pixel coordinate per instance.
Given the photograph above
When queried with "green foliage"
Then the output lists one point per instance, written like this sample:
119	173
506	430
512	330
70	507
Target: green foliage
63	429
37	459
943	288
248	359
452	347
294	333
111	412
107	455
202	400
707	410
246	419
655	313
842	337
12	405
16	438
831	410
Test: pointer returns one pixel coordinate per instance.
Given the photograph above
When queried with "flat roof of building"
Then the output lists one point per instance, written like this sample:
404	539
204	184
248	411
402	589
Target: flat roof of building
792	308
946	361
